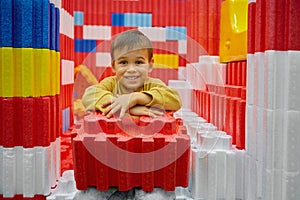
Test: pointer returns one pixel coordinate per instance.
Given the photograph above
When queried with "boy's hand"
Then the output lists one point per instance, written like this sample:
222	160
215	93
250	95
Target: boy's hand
122	103
125	102
143	110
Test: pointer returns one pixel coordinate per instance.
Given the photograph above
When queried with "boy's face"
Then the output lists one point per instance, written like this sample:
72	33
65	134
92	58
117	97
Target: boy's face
132	68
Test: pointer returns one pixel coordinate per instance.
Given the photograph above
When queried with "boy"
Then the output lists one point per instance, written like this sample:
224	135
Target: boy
132	90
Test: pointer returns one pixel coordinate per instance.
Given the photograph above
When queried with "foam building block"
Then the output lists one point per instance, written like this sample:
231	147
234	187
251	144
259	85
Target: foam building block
184	90
24	125
165	61
29	171
66	187
164	136
29	72
233	26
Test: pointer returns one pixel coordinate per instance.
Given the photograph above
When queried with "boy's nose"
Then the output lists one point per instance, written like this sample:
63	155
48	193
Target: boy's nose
131	67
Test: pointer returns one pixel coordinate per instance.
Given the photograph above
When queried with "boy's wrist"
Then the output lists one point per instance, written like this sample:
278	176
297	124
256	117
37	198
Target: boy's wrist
141	98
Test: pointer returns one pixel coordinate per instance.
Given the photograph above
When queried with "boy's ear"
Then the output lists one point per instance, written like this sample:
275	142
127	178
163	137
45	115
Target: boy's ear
151	63
113	66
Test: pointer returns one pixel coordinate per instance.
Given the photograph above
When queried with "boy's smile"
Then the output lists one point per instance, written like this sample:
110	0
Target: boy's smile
132	68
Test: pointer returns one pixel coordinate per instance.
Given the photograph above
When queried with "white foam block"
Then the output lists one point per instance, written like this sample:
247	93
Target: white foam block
230	175
199	76
250	178
221	172
1	167
199	177
182	73
68	23
9	172
184	90
250	79
278	139
212	175
154	33
291	162
260	63
182	46
240	174
96	32
259	179
103	59
28	183
251	116
67	72
42	170
291	185
293	81
272	187
275	68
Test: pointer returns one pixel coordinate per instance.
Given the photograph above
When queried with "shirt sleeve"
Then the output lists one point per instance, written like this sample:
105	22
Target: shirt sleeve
162	95
96	95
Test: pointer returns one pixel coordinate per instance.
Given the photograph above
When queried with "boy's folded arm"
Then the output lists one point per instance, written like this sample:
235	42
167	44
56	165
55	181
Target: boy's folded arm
94	97
164	97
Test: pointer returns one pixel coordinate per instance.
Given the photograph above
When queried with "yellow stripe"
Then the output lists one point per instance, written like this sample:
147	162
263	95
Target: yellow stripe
6	71
28	72
166	61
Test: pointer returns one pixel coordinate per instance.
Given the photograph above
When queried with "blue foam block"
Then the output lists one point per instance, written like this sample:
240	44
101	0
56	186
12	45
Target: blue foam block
52	26
85	45
65	119
46	24
41	20
78	18
23	23
176	33
57	43
6	21
138	19
117	19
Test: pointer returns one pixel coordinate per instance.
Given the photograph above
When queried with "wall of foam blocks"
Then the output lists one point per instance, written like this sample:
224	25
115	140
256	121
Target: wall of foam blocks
272	125
96	23
203	27
217	92
216	166
29	98
66	8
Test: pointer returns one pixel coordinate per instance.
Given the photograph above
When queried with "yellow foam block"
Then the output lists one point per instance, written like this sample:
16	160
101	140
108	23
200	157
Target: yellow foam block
7	73
28	72
166	61
233	30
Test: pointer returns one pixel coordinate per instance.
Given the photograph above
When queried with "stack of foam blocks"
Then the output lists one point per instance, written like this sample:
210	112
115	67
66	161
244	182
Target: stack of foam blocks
132	152
66	36
273	100
29	103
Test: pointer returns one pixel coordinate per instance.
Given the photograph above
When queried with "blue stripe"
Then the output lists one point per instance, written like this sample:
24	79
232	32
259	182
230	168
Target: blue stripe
117	19
23	23
52	26
138	19
85	45
78	18
176	33
6	22
57	29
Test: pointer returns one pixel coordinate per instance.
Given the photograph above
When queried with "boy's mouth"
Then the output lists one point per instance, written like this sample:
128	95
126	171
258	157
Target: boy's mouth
131	77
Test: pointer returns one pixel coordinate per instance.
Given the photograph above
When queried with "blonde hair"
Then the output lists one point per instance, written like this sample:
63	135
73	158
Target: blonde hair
131	40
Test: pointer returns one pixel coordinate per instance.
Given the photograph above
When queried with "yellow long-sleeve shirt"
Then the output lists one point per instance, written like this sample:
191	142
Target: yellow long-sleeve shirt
161	94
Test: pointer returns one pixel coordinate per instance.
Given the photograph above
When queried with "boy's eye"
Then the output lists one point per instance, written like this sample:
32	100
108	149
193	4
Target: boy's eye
123	62
139	62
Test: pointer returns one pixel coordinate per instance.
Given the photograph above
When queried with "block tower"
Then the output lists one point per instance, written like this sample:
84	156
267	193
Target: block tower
29	101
